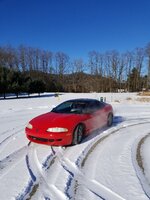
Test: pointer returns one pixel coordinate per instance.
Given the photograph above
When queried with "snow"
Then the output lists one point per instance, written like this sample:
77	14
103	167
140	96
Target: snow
111	163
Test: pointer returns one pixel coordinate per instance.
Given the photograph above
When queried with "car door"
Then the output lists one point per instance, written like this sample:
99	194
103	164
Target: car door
98	114
92	117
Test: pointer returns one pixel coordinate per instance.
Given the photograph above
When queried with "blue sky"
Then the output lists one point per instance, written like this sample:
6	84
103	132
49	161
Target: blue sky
75	26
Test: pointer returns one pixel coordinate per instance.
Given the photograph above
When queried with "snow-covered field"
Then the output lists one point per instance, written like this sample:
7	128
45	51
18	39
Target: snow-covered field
111	164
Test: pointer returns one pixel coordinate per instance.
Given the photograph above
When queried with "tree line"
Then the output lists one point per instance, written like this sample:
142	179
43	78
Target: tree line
28	69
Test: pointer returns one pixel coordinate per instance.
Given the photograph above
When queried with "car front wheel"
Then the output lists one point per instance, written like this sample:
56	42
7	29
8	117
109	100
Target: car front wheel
78	134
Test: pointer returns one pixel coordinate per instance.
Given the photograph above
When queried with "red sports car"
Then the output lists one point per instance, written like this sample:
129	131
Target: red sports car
67	123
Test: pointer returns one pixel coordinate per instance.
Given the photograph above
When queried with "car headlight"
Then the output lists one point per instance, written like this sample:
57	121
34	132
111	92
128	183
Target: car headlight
57	129
29	126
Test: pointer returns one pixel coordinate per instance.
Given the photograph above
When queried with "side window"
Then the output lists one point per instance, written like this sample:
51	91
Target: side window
99	104
95	105
92	107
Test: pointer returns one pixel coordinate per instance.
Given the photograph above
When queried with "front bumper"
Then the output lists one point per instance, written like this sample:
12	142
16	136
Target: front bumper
52	139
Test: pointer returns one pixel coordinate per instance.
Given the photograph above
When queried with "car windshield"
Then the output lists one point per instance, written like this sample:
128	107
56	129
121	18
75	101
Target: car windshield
76	107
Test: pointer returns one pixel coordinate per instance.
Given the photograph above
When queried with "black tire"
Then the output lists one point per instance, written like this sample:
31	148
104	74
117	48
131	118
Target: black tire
110	120
78	134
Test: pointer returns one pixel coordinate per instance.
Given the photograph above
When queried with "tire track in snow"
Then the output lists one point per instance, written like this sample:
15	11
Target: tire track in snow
91	185
71	170
38	172
138	164
8	139
11	161
75	172
84	156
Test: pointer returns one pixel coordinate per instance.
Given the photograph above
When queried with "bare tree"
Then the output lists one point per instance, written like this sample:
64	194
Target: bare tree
23	58
114	64
30	58
78	65
62	60
37	65
2	57
77	70
107	72
9	58
147	50
128	66
139	58
46	61
94	62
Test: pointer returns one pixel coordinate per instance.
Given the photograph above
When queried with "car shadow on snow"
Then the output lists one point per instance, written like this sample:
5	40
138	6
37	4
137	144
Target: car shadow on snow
116	120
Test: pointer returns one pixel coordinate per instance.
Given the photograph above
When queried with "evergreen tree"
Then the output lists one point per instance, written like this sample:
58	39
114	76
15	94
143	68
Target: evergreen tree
133	79
4	81
37	86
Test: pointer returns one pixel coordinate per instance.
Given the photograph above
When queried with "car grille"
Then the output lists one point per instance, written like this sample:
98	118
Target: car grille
43	139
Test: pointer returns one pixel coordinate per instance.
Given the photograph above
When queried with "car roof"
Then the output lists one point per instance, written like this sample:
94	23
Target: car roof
86	100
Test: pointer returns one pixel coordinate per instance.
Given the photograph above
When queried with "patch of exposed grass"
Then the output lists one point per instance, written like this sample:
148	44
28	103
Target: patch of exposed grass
34	189
129	98
138	153
117	101
143	99
144	93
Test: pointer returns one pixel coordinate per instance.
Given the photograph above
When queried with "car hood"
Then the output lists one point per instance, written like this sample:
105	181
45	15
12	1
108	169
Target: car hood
52	119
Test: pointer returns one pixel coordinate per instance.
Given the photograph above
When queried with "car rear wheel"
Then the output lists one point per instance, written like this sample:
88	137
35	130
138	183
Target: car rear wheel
78	134
110	120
